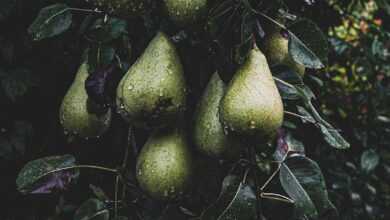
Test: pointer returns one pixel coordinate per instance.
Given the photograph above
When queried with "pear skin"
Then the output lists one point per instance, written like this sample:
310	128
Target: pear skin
75	114
275	48
164	165
185	12
153	91
252	105
208	133
125	8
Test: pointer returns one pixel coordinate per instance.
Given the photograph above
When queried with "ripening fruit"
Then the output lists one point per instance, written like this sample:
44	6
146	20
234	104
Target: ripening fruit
164	166
275	47
127	8
252	104
185	12
208	132
153	92
75	114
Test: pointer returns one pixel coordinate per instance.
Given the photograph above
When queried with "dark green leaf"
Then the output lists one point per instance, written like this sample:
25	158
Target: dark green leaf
291	184
36	174
92	209
99	56
333	137
309	176
99	193
287	144
369	161
307	117
236	201
307	44
105	31
18	82
51	21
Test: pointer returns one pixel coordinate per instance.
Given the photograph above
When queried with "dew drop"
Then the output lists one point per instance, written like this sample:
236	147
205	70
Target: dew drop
130	87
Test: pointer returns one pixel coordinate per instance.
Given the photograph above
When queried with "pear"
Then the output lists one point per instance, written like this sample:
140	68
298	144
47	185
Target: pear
275	48
252	105
153	91
126	8
185	12
76	116
164	165
208	132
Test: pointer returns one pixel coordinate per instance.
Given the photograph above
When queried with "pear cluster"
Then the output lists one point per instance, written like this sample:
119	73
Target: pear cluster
152	95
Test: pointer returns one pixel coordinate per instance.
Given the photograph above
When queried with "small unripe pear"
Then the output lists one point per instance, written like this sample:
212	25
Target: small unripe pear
126	8
76	115
185	12
275	47
252	105
164	166
208	133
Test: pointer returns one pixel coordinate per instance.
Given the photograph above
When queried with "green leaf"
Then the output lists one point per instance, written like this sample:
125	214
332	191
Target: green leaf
36	173
369	161
237	200
92	209
105	31
304	206
333	137
310	178
51	21
307	44
17	83
100	56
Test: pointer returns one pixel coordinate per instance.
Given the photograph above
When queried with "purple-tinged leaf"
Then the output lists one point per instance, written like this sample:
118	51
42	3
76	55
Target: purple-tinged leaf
287	145
45	175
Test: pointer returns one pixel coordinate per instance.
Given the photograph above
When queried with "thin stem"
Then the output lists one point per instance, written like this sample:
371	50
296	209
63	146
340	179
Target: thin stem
85	10
284	82
277	197
270	178
252	155
295	115
116	197
84	166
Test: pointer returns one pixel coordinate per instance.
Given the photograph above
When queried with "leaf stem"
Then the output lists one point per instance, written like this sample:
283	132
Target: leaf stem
283	82
270	178
85	10
83	166
296	115
277	197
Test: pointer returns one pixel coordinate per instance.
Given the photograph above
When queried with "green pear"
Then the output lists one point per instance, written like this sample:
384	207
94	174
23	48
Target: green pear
126	8
153	91
252	104
75	111
186	12
208	132
164	165
275	47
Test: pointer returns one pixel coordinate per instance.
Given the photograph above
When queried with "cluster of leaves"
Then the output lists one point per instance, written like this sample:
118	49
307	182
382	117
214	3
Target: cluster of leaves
359	77
231	28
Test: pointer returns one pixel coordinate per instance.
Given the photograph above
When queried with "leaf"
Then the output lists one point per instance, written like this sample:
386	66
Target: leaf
286	144
51	21
17	83
105	31
333	137
243	205
99	193
307	117
307	44
37	176
369	161
310	178
303	204
92	209
100	56
237	200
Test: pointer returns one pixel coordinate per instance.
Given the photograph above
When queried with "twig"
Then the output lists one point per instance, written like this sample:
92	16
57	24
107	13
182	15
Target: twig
277	197
252	155
83	166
